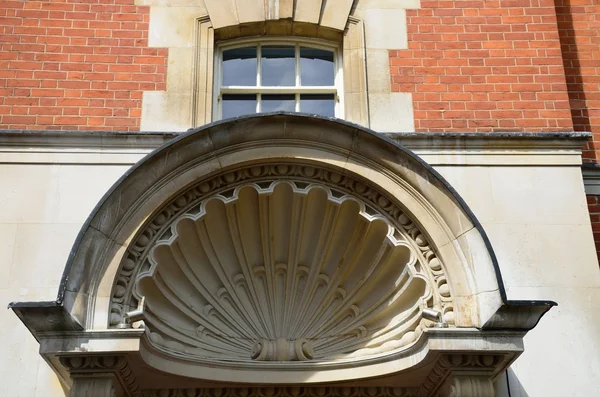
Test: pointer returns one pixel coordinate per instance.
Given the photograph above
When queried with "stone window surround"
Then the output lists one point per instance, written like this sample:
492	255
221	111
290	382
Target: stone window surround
352	57
366	30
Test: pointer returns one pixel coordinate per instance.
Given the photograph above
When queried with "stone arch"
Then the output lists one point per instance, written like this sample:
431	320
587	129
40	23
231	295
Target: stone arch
431	268
329	15
220	147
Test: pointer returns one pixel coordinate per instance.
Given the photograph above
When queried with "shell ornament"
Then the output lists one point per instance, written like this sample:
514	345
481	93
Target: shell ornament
283	271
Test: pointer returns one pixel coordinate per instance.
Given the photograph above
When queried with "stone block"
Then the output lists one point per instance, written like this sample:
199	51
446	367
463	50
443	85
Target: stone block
250	10
385	29
171	3
389	4
81	187
222	12
173	26
517	191
378	71
166	111
308	11
29	193
42	266
286	8
180	70
8	234
391	112
474	186
335	14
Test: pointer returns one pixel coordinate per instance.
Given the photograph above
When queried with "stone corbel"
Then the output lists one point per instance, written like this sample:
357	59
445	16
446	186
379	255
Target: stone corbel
100	376
93	386
464	375
472	386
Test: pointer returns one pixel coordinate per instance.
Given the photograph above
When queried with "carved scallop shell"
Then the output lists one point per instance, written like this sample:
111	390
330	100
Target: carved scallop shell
287	271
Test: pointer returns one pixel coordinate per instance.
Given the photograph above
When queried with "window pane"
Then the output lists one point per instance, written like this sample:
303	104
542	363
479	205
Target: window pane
316	67
237	105
278	66
323	104
239	66
274	103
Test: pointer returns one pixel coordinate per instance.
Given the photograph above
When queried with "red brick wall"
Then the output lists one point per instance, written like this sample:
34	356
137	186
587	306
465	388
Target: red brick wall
484	66
76	64
579	29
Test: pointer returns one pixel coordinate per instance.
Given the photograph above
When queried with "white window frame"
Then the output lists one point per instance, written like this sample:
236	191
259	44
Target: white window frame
297	89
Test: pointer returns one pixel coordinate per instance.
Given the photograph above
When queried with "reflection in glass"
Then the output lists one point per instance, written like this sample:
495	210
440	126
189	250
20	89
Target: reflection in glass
239	66
323	104
278	66
275	103
316	67
237	105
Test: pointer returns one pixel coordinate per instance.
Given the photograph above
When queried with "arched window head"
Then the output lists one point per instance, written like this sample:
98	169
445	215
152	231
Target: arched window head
272	75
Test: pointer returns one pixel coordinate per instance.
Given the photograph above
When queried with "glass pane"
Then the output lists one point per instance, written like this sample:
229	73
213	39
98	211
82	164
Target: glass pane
239	66
278	66
275	103
237	105
316	67
323	104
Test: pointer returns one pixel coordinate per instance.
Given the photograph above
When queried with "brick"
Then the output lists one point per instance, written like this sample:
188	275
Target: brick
489	63
57	58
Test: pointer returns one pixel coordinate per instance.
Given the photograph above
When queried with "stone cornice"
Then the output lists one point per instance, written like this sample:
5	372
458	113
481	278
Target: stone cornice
83	139
100	147
448	353
591	178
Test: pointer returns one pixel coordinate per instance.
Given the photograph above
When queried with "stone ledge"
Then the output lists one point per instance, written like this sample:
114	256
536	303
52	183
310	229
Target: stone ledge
495	148
74	138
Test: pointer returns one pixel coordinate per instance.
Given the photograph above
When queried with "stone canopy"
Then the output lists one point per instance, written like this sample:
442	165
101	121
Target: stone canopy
281	254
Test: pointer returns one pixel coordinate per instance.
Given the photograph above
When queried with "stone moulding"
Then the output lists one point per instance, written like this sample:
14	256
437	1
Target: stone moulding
90	366
351	201
448	377
442	254
103	147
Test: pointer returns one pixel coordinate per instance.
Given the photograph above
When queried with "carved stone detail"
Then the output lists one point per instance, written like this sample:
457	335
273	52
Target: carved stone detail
444	385
284	392
283	271
93	387
446	369
472	386
282	350
92	364
123	298
188	205
100	367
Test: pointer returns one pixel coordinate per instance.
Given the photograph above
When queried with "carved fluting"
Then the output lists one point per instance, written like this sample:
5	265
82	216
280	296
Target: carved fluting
283	271
124	299
441	382
435	384
282	350
93	387
115	366
284	392
472	386
159	228
128	380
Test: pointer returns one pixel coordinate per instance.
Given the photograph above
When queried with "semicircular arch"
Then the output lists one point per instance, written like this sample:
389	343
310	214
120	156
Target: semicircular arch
304	173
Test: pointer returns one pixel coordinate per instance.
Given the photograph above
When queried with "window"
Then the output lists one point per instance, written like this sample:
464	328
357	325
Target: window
277	76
